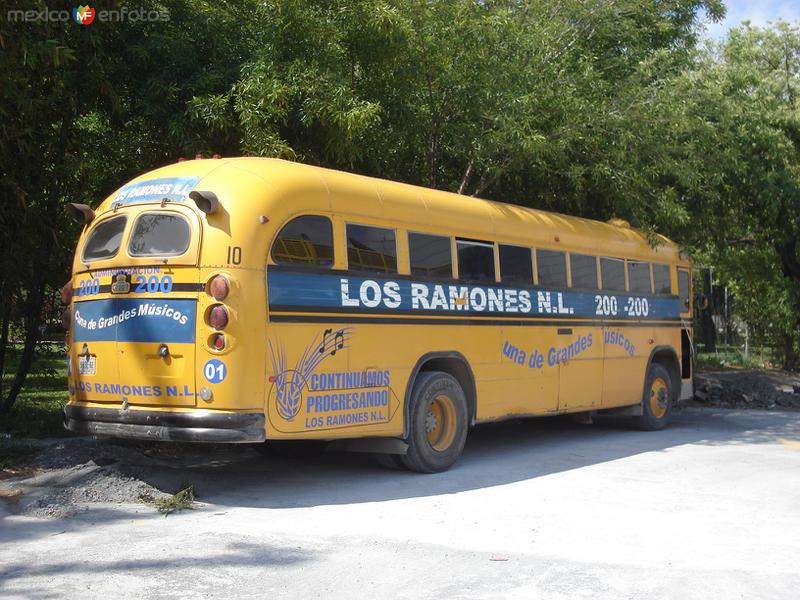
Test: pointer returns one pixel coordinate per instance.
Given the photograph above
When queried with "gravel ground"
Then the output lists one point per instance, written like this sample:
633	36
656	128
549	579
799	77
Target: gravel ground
763	389
69	475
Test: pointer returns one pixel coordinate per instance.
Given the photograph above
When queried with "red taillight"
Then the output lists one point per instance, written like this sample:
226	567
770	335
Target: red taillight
66	318
66	293
219	287
218	316
218	341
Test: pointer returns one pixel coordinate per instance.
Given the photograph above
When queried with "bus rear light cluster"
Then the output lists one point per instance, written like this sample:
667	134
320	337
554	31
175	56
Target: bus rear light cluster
218	341
219	288
218	316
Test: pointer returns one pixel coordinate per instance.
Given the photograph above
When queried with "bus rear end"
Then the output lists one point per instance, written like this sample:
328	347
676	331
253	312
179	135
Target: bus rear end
147	325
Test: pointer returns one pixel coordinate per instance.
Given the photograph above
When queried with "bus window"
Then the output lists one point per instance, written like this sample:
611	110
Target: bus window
639	277
661	279
159	234
516	265
430	255
305	240
584	271
371	249
475	260
612	272
105	239
683	289
551	267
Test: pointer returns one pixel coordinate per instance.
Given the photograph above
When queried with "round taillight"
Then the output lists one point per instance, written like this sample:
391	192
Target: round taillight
66	318
66	293
218	341
218	316
219	287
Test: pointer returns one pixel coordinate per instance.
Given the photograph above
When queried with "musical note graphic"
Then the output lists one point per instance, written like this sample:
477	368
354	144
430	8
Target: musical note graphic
290	383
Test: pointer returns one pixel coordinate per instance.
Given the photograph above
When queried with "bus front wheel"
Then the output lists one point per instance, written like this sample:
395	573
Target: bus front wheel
437	423
657	400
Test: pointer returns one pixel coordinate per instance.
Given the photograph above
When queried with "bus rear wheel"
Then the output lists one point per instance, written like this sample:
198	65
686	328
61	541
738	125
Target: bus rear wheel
657	400
438	423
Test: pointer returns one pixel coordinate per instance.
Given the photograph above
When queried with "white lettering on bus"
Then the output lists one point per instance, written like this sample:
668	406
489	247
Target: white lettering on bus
392	291
419	296
389	294
346	299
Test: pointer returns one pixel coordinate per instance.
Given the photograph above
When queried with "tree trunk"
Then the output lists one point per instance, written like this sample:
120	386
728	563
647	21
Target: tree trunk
33	317
6	322
790	358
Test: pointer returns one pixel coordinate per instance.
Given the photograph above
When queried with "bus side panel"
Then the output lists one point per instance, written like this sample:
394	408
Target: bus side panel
333	380
627	350
581	374
236	376
523	382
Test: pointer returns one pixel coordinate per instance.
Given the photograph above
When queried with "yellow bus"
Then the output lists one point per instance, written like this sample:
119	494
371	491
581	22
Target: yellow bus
250	299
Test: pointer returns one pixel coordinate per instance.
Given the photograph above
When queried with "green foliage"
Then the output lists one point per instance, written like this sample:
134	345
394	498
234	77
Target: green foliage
181	500
588	107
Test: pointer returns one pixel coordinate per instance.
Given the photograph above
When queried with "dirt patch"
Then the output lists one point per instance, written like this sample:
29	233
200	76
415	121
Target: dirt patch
65	476
762	389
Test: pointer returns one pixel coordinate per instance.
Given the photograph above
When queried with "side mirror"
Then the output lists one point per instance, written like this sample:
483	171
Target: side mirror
207	202
80	213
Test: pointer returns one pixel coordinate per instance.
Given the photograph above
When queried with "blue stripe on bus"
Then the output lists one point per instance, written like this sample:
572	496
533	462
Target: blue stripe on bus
381	295
134	320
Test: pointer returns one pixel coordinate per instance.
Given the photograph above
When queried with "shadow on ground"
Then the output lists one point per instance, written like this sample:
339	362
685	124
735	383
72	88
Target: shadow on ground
495	454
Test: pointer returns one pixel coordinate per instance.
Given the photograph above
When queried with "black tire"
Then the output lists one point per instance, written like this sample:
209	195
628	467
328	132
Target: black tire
390	461
437	423
656	399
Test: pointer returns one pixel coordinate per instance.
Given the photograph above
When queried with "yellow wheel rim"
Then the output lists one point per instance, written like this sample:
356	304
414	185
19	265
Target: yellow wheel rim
440	423
659	398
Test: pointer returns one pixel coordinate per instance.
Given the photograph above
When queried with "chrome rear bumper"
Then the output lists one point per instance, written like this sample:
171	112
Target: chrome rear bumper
187	426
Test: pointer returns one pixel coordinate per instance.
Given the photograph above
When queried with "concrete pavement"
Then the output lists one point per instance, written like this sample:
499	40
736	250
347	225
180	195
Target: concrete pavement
709	508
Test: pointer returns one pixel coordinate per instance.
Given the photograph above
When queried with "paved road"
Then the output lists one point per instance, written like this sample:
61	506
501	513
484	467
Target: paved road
709	508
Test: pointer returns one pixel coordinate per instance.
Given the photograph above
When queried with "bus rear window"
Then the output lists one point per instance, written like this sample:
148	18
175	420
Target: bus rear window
105	239
160	234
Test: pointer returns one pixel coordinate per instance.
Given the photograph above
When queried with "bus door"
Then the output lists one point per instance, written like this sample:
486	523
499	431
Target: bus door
136	310
579	351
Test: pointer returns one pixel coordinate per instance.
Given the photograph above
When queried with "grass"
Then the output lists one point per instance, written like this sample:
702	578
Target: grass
732	357
181	500
38	410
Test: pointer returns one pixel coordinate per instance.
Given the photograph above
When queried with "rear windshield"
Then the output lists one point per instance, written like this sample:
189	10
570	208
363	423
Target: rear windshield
159	234
105	239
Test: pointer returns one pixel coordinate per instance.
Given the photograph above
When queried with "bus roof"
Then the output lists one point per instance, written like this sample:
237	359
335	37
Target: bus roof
419	208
